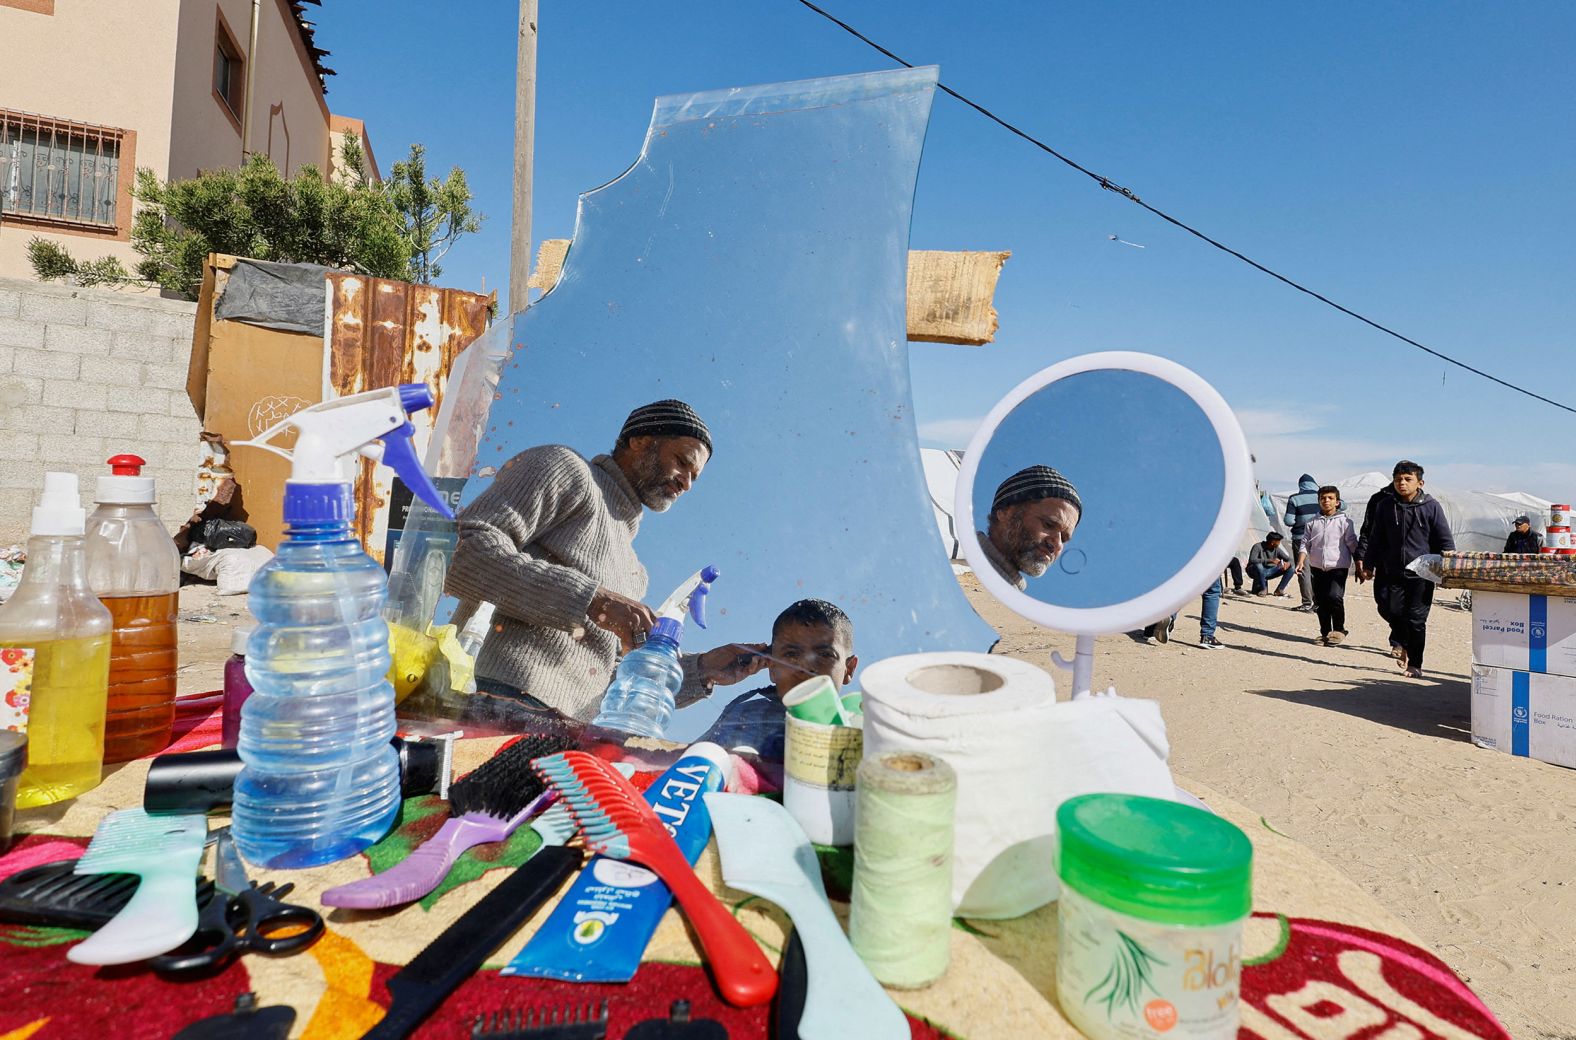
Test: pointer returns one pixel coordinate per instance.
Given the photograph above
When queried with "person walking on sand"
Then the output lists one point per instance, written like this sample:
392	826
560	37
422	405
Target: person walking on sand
1302	506
1325	556
1404	523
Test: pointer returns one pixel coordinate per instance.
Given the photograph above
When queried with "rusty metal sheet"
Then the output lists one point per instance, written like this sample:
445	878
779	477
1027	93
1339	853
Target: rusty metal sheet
382	332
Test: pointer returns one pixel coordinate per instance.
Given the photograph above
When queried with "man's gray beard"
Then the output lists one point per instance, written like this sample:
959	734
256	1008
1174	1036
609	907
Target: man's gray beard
1029	562
654	499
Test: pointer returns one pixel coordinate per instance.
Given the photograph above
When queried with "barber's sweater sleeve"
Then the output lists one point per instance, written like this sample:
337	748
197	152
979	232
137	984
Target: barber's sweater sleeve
535	494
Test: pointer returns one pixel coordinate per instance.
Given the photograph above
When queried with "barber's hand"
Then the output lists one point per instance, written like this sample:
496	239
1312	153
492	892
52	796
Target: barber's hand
732	662
629	619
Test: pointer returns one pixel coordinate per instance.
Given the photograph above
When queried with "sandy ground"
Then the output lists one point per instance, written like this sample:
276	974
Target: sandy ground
1474	849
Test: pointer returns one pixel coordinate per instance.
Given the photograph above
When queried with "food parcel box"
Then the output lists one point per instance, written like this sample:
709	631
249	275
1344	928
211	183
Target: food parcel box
1526	633
1525	714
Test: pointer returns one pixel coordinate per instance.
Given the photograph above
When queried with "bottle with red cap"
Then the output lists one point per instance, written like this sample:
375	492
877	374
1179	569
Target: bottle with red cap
135	569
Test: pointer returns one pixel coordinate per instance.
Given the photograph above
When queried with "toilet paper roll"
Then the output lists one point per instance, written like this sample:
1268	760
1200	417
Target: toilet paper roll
1018	755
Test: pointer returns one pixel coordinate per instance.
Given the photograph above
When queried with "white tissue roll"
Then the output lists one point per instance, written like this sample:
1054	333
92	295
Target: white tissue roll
1018	755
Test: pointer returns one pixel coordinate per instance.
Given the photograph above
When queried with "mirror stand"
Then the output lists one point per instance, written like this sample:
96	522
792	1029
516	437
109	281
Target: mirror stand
1082	667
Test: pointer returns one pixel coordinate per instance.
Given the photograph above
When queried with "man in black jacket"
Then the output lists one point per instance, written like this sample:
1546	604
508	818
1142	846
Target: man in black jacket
1523	539
1403	523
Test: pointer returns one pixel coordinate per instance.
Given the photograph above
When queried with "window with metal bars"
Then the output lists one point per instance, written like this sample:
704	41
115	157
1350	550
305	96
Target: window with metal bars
58	171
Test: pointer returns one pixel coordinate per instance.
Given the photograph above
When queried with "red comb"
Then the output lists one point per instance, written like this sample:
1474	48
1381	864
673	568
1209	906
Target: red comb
616	821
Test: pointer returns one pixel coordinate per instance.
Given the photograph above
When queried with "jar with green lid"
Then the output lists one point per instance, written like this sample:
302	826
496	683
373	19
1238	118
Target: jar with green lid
1154	895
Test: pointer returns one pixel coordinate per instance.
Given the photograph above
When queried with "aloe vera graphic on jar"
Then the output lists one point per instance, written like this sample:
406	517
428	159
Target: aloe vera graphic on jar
1154	896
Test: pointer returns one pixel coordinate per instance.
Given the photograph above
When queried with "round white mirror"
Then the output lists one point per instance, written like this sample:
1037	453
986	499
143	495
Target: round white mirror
1104	492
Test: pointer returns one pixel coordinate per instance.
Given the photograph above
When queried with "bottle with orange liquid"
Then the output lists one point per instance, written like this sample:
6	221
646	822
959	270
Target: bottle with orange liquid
54	655
135	569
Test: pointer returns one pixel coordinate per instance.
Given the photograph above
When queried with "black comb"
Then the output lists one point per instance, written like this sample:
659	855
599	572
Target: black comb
51	894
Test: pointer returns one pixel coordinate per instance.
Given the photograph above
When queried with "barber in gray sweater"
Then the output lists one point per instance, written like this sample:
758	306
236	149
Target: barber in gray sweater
551	544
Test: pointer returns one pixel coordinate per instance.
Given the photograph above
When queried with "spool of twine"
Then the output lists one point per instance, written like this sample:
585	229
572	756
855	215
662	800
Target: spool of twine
900	919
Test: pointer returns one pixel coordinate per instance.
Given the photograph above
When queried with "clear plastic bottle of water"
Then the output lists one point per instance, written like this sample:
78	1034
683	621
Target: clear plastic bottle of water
645	688
321	781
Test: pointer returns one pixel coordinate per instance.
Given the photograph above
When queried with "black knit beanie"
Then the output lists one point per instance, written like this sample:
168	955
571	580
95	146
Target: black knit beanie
666	419
1032	484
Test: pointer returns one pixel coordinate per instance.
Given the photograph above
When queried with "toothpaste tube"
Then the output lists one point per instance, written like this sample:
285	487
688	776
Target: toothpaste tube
599	930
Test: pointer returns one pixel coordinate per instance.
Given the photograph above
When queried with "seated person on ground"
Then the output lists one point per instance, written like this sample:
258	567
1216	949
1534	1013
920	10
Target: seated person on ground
1269	559
812	637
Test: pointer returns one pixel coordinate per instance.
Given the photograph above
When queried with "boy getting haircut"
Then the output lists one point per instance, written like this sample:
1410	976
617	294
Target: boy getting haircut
812	637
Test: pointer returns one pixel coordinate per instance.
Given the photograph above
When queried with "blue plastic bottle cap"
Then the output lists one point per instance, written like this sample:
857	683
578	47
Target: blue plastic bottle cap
318	503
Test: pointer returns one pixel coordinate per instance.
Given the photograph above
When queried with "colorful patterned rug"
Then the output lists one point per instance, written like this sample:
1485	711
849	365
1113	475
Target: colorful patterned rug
1323	961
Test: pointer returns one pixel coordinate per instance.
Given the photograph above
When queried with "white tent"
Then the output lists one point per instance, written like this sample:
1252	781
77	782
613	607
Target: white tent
1479	520
941	478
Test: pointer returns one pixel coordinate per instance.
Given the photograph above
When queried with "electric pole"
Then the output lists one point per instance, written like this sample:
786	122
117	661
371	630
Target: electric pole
524	149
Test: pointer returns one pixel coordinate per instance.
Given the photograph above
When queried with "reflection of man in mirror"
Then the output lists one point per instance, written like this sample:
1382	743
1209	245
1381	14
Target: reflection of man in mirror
551	544
1033	515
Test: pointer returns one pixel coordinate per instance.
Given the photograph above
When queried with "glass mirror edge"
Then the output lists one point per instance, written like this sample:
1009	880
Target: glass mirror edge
1222	542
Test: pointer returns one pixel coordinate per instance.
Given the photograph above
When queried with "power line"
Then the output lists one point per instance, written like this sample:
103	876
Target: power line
1127	193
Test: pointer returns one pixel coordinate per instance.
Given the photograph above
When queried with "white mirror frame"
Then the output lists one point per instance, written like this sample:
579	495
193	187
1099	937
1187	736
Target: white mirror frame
1225	536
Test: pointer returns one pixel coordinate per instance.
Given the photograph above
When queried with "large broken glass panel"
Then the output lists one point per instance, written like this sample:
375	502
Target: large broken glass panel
751	263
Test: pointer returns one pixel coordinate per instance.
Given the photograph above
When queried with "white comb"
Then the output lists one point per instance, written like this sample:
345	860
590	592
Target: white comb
164	851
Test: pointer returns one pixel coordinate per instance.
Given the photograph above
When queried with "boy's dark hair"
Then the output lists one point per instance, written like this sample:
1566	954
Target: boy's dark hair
1274	536
1407	466
817	612
1331	489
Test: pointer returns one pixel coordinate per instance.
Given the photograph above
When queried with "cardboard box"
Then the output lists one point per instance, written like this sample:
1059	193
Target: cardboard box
1525	714
1525	633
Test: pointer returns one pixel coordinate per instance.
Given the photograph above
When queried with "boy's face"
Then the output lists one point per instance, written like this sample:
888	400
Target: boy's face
1329	502
1406	484
800	651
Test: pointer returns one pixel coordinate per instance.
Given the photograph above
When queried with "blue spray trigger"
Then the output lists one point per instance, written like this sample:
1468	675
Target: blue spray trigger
415	397
399	453
697	599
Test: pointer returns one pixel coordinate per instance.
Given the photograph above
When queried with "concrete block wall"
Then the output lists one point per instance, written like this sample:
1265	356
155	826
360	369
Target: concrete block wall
86	374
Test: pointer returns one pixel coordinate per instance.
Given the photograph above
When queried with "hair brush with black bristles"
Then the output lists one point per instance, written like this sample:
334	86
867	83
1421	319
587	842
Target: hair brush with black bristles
486	804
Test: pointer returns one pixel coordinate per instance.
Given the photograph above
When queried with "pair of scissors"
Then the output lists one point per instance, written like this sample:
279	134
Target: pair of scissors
242	916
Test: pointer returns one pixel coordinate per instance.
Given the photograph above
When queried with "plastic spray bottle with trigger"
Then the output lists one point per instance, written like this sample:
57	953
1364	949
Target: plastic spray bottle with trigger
320	780
645	687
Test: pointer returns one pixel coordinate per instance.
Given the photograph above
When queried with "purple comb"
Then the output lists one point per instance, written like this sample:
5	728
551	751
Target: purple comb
486	805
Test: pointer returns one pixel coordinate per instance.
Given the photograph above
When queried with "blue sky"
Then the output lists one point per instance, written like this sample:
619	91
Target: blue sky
1413	162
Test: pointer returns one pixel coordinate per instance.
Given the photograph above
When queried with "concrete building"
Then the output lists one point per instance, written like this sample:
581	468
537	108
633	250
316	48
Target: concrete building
92	90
